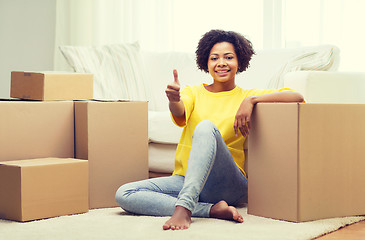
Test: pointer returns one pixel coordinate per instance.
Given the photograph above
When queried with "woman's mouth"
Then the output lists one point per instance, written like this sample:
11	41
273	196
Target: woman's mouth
222	73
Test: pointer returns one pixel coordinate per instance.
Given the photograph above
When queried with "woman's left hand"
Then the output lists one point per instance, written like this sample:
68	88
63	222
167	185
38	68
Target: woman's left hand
242	120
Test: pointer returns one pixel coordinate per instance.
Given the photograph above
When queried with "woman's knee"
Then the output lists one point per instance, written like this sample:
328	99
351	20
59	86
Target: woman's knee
205	127
122	194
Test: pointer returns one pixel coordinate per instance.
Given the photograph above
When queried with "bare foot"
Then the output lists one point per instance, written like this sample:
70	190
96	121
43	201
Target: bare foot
181	219
221	210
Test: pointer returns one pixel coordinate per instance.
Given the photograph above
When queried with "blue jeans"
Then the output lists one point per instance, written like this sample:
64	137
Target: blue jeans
211	176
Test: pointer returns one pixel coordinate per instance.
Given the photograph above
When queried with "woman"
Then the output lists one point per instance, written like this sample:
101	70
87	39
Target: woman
208	180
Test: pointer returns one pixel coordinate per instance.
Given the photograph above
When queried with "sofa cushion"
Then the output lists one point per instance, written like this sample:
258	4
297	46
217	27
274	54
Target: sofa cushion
161	129
161	157
118	69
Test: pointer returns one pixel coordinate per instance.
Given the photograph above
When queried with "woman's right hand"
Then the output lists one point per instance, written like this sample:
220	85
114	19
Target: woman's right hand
173	89
176	105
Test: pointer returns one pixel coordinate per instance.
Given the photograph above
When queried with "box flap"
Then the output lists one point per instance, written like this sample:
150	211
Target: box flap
50	73
40	161
27	74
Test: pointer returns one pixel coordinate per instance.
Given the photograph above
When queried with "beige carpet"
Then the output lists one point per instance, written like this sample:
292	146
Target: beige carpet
114	223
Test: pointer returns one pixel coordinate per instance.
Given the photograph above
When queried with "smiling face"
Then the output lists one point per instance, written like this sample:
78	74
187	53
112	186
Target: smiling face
222	63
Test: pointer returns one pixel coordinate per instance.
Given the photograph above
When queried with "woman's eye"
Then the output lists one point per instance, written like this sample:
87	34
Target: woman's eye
213	58
229	57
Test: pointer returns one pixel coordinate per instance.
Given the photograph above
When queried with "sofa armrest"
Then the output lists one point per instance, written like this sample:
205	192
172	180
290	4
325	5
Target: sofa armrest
328	87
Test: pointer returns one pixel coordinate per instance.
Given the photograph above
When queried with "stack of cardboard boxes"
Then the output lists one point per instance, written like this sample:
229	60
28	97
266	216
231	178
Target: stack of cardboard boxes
62	153
306	161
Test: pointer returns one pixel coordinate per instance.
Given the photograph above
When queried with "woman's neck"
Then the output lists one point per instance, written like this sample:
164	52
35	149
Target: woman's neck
220	87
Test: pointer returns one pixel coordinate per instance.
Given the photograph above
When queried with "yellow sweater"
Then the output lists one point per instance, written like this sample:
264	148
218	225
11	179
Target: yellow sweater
221	109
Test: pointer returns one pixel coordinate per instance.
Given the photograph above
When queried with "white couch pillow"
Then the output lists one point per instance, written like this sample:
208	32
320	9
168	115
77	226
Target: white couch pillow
118	69
320	58
268	67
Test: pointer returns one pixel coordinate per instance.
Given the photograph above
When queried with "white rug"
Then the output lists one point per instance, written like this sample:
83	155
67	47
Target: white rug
114	223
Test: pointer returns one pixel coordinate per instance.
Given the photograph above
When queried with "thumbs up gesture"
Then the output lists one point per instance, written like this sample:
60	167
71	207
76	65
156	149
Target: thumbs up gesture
173	89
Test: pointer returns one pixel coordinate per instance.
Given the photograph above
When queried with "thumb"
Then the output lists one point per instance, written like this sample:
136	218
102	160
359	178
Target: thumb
176	79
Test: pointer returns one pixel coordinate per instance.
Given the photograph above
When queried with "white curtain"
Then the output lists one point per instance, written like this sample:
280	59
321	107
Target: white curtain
98	22
166	25
158	25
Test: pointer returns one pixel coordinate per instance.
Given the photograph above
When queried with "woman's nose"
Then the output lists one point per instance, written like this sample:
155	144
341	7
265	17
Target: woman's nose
221	62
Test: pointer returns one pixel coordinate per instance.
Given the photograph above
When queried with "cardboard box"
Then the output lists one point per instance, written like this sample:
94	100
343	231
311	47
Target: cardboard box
113	136
32	129
49	86
43	188
307	161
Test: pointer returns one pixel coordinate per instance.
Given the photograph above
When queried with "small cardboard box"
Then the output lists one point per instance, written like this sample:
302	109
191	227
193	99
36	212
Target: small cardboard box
43	188
307	161
33	129
48	86
113	136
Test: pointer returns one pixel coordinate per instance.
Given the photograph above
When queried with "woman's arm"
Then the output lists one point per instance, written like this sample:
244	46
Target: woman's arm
284	96
176	105
242	121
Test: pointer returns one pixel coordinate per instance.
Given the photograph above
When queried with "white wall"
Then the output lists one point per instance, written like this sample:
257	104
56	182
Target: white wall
27	33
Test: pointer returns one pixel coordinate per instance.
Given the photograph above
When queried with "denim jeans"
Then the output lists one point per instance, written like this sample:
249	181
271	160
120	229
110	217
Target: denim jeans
211	176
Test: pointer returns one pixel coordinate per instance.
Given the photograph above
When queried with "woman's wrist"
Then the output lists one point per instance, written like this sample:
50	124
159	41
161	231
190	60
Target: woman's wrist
177	108
252	99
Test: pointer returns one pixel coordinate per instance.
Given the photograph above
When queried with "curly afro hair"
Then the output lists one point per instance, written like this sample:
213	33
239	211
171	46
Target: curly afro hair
242	47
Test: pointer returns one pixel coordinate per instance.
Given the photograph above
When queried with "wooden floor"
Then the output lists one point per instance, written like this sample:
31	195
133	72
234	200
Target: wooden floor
354	231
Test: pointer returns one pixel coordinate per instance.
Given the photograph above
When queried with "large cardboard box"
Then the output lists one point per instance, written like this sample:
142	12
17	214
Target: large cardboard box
32	129
42	188
48	86
113	136
307	161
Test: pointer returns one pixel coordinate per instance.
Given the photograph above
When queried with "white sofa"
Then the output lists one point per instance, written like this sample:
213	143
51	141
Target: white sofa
311	71
144	76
